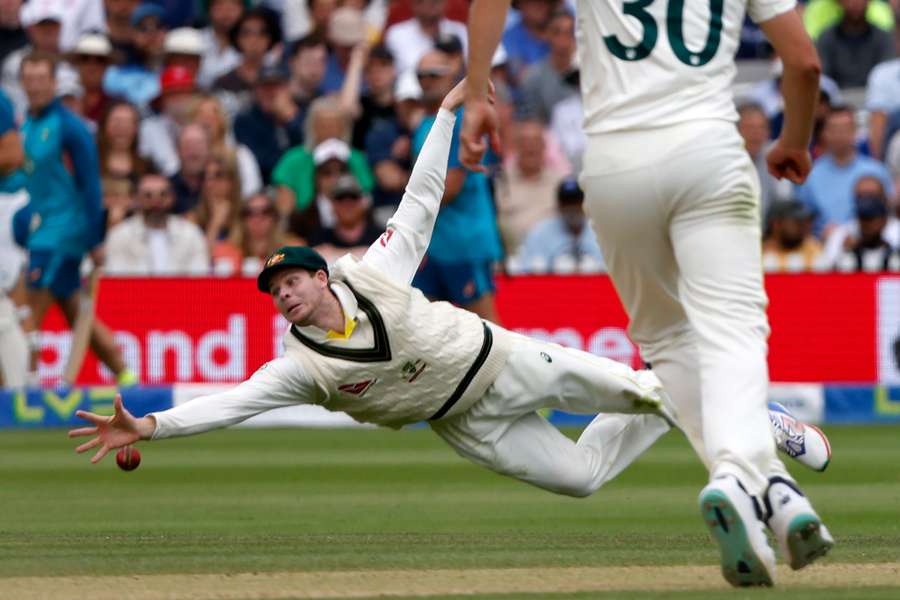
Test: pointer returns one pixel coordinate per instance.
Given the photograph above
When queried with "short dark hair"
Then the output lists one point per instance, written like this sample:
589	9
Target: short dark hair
841	108
748	107
273	29
311	40
40	56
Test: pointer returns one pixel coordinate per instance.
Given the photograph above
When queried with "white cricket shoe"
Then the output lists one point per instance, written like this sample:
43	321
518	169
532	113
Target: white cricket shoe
801	535
729	512
804	443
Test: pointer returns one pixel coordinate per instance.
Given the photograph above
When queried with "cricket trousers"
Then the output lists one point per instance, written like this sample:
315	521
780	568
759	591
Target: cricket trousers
504	432
13	345
676	213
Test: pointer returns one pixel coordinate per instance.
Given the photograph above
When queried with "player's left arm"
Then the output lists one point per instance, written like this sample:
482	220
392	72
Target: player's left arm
399	250
79	146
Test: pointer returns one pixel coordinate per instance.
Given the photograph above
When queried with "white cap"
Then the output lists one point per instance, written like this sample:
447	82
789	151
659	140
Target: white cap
407	87
184	40
93	44
35	11
68	83
331	149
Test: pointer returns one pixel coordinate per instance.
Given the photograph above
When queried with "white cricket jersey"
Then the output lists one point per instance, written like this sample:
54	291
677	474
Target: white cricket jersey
652	63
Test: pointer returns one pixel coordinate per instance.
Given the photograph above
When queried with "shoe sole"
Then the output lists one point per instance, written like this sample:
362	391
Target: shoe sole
805	542
741	566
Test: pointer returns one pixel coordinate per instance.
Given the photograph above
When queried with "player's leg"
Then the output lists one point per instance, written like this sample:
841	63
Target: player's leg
13	346
101	341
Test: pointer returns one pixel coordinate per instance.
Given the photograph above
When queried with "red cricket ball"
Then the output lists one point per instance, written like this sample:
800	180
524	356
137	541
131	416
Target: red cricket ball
128	458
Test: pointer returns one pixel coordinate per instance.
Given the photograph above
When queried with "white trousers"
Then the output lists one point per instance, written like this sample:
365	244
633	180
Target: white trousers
504	432
13	345
676	213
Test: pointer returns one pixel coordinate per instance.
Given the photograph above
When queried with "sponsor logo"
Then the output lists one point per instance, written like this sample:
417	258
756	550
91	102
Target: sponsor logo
794	443
412	369
386	237
275	259
546	357
357	389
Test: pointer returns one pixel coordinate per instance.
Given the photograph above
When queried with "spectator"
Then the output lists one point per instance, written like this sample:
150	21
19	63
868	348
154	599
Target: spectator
154	241
754	128
305	224
68	206
307	64
565	239
137	79
219	210
789	244
91	58
219	55
819	15
376	66
867	191
184	47
883	102
273	123
320	12
353	229
210	114
159	132
527	188
409	40
547	82
118	142
869	250
119	15
12	33
346	31
853	47
294	172
525	42
260	233
79	17
829	188
254	36
187	183
118	200
459	263
566	125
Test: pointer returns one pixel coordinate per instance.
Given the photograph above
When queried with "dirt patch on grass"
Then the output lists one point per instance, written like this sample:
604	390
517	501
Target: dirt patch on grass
360	584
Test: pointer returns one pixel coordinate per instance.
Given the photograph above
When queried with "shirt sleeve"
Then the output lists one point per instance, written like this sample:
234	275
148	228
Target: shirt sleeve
7	115
399	250
280	382
763	10
82	151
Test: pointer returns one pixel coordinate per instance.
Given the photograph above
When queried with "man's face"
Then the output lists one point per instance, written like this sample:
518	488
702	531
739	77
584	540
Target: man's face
90	70
349	209
435	77
530	147
328	123
428	11
39	83
561	35
253	38
9	11
155	196
327	174
380	75
308	66
193	150
839	132
754	128
44	36
535	12
572	214
297	294
149	36
224	14
870	231
268	93
789	232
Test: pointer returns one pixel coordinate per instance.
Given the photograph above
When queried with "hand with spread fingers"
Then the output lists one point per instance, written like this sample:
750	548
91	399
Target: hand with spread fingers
121	429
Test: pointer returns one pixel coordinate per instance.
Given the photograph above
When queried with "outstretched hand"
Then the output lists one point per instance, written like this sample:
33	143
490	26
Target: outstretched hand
480	120
121	429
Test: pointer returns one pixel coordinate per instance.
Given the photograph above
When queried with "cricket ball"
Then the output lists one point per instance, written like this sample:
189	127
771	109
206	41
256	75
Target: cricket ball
128	458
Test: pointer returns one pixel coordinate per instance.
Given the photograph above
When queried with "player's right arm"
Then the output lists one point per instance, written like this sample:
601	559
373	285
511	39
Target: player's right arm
789	156
280	382
11	153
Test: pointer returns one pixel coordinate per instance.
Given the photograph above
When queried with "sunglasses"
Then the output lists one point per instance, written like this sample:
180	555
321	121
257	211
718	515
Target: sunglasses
431	73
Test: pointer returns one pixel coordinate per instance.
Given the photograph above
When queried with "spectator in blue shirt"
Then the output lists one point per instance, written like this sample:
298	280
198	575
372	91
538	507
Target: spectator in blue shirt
63	181
565	237
524	41
829	188
458	266
137	80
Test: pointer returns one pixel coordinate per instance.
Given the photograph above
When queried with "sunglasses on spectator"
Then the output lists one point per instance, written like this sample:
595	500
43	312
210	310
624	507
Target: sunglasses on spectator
347	196
431	73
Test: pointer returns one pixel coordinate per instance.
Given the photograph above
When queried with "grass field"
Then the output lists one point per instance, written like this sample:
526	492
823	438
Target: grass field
365	513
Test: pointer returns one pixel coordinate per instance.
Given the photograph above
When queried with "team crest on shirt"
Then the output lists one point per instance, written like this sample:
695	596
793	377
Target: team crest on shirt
412	369
357	389
275	259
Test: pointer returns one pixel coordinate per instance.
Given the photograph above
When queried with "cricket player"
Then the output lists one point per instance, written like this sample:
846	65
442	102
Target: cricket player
674	201
365	342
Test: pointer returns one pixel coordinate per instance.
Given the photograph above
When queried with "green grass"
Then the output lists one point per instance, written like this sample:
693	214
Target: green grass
291	500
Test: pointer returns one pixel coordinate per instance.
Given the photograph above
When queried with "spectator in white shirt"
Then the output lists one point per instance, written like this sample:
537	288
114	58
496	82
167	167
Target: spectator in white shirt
219	55
409	40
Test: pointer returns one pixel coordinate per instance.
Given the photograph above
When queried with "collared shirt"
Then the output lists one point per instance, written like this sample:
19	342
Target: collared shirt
408	42
551	240
132	248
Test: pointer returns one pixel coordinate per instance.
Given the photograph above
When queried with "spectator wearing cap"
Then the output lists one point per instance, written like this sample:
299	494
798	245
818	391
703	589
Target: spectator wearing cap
372	68
409	40
525	41
789	244
209	113
563	238
293	175
458	266
274	122
526	190
869	250
183	47
255	34
42	21
353	229
193	155
219	55
852	48
137	79
118	26
547	82
868	192
12	33
175	105
346	37
307	61
828	190
91	58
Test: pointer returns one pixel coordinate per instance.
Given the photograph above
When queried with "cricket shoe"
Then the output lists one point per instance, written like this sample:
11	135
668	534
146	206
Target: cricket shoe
804	443
731	515
801	535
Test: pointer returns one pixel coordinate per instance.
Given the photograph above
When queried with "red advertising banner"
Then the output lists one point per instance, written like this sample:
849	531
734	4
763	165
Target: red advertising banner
825	328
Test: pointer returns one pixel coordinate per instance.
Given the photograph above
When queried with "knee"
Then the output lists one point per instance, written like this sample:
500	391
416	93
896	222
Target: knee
576	482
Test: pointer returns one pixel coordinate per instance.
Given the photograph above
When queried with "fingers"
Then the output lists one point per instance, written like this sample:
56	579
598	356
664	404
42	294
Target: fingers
88	445
81	431
93	418
117	404
100	454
